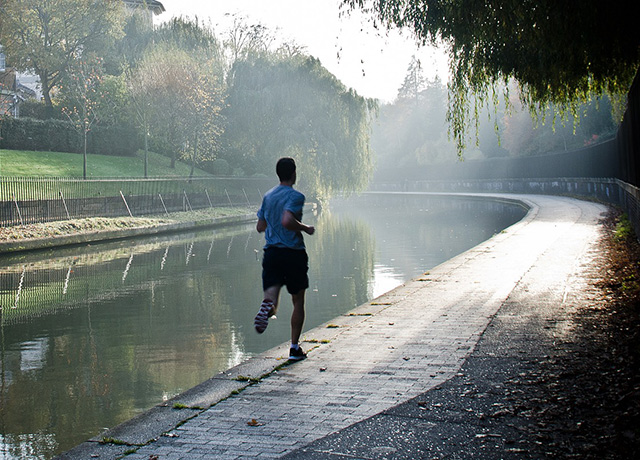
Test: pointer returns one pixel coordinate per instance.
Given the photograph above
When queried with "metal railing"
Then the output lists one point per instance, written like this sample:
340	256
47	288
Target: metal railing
25	200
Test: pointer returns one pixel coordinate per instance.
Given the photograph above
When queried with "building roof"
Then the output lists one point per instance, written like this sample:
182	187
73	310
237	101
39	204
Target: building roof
153	5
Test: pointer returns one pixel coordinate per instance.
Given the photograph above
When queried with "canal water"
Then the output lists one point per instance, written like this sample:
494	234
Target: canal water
91	336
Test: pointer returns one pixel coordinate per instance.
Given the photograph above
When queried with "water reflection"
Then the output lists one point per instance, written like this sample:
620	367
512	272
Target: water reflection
91	336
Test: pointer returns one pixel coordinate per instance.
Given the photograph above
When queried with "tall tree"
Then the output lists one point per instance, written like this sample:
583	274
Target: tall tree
178	97
412	132
244	40
45	36
189	35
279	106
414	81
82	87
176	91
140	100
558	51
124	54
203	120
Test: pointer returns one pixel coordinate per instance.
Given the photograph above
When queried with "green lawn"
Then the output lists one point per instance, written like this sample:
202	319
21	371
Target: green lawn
55	164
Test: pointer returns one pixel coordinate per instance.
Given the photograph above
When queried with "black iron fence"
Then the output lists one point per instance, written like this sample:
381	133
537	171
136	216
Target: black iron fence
603	189
25	200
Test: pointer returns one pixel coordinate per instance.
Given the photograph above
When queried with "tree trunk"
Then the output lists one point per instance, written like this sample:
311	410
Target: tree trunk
194	156
84	157
46	95
146	153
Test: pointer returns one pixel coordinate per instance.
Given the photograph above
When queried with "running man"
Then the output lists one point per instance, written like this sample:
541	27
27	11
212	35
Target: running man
285	261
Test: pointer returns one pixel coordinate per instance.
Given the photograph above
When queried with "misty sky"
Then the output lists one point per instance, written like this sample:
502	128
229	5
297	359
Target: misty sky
374	65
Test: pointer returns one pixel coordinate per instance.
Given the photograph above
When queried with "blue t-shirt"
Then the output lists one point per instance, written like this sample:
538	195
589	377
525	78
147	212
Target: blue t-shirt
274	203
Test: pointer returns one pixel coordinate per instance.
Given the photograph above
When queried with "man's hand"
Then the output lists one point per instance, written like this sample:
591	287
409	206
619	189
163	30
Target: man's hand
261	226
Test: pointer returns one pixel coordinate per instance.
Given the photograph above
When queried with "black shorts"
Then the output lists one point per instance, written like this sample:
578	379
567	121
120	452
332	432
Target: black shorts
285	267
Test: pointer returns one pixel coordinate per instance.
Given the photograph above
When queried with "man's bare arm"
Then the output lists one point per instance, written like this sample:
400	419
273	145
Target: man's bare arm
290	222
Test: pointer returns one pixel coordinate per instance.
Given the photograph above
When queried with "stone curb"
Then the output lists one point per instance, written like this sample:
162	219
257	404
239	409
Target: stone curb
154	423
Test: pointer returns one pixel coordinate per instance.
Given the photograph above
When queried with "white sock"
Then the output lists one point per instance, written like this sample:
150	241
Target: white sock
295	346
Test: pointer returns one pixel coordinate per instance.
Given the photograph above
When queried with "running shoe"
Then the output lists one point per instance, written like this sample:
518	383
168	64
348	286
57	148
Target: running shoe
296	354
261	320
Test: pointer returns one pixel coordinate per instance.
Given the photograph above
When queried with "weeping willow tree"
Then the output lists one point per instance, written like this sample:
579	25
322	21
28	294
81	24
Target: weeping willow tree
292	106
560	52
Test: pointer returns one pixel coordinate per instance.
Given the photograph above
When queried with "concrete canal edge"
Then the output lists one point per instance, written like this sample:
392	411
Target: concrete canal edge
147	427
159	420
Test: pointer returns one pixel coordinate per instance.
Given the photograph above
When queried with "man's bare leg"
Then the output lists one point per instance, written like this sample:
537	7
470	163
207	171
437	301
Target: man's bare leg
273	294
297	317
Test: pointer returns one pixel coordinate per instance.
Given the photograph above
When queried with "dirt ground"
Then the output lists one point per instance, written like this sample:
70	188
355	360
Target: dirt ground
592	398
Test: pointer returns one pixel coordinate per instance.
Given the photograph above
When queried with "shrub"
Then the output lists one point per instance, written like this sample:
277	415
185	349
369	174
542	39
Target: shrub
219	167
61	136
36	109
113	140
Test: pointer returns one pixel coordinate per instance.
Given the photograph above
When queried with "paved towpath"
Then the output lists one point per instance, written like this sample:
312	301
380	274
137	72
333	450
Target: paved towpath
381	355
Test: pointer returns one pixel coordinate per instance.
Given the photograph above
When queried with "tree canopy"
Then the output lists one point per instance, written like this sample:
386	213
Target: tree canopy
232	105
294	106
410	134
46	37
559	51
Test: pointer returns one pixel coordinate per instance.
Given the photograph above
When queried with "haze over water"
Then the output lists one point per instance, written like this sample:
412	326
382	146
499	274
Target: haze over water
92	336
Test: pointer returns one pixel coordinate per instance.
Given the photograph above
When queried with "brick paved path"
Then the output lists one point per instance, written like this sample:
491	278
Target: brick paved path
391	349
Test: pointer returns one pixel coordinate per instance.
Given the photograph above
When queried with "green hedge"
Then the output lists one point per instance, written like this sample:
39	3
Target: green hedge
36	109
113	140
61	136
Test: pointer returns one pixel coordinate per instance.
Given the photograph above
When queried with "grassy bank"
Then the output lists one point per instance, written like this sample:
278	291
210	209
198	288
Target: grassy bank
19	163
96	224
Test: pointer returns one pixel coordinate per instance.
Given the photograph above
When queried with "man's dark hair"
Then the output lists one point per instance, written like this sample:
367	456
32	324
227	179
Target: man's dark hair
285	168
